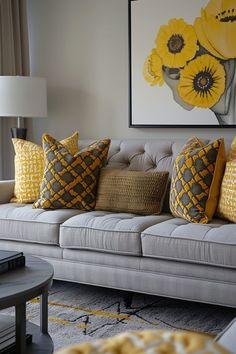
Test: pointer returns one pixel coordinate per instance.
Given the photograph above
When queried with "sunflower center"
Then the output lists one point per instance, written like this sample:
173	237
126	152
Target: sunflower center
228	15
175	43
203	81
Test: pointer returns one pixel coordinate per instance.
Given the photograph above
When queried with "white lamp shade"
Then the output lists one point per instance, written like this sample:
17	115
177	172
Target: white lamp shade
23	96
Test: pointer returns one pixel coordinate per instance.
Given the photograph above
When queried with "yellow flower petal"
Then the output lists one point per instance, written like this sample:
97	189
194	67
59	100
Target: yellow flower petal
202	81
216	28
152	70
176	43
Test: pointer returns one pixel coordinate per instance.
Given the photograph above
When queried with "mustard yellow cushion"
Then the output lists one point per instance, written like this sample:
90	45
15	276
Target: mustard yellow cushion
71	181
232	153
227	201
29	167
196	179
135	192
146	342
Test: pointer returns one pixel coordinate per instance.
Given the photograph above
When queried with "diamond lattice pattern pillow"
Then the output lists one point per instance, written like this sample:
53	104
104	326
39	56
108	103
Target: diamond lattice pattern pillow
71	181
196	180
29	167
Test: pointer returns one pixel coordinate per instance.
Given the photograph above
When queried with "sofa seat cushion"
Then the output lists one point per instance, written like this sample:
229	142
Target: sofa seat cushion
107	232
176	239
19	222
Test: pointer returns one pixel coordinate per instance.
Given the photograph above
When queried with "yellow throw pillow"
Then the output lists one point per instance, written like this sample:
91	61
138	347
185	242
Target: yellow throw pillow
29	167
149	341
227	202
71	181
135	192
195	186
232	153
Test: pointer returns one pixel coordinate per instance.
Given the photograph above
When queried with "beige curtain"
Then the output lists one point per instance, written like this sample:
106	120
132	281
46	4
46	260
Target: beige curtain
14	60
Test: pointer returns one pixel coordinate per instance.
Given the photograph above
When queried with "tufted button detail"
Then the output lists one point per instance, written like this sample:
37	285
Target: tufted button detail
153	164
168	152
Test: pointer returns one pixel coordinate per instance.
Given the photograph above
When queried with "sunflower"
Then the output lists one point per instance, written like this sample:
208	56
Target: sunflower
152	70
216	28
176	43
202	81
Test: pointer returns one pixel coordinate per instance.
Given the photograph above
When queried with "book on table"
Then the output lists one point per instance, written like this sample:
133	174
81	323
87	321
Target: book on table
10	260
9	346
7	331
8	335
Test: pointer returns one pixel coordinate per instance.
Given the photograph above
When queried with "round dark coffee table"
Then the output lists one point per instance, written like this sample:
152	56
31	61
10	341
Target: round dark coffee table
19	286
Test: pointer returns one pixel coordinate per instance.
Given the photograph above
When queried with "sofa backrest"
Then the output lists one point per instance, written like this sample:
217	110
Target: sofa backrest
145	155
142	155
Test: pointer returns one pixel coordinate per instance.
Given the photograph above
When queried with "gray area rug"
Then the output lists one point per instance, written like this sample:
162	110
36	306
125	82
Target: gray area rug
79	313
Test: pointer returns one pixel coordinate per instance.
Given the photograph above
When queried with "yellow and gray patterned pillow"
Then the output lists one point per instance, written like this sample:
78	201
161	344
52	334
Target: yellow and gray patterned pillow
71	181
196	180
29	167
147	342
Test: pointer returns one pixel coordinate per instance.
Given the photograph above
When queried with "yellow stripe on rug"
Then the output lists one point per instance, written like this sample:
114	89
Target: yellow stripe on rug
59	320
90	311
65	322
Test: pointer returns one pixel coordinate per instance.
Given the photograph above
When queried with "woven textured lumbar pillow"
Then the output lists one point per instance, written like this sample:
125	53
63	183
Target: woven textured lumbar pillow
131	191
29	167
196	180
227	201
71	181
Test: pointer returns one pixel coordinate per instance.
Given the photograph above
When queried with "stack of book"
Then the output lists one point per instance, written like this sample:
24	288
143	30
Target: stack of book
10	260
7	332
8	335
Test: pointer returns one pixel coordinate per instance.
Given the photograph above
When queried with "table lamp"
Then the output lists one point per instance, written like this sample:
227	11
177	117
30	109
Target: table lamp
22	96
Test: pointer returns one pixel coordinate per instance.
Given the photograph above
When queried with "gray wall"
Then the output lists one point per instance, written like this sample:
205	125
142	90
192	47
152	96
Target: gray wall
81	47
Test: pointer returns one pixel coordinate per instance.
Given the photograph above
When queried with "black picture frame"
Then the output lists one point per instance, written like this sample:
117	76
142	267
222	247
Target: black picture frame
130	74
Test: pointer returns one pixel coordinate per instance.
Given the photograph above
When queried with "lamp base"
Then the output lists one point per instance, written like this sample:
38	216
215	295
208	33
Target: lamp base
19	133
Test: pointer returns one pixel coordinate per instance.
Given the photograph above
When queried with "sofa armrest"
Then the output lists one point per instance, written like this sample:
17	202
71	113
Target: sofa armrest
6	191
227	337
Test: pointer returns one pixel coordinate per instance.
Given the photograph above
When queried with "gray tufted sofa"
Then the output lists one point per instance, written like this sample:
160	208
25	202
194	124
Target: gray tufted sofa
155	254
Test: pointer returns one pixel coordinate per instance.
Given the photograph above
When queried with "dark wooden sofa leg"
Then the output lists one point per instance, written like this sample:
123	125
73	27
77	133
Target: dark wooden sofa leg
128	297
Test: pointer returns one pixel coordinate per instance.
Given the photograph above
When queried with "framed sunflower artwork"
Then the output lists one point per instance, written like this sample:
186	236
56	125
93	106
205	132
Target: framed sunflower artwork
182	63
